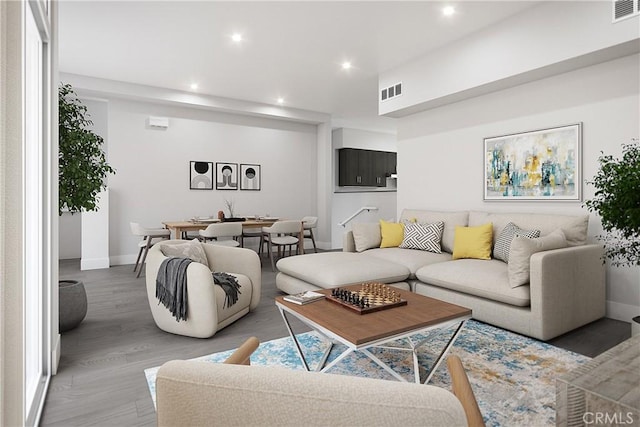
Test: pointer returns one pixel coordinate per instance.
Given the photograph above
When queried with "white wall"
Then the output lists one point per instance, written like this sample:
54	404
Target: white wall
440	151
347	201
151	183
541	41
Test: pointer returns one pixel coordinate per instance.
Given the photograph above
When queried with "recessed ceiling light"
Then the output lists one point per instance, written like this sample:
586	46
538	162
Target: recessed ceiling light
236	37
194	86
448	10
346	65
280	101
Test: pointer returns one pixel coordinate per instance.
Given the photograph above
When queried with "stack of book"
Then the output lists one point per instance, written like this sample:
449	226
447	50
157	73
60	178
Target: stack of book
304	297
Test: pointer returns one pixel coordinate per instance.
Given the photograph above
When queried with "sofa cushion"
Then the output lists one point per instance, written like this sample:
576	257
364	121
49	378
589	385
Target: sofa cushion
473	242
366	235
192	250
503	241
409	258
483	278
392	234
424	237
450	219
333	269
523	247
573	226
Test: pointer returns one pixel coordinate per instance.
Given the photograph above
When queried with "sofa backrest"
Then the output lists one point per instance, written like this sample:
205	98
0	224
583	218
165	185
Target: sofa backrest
450	219
573	226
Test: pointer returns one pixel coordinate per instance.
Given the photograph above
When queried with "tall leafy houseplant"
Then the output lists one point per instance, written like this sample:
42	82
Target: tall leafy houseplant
83	167
617	201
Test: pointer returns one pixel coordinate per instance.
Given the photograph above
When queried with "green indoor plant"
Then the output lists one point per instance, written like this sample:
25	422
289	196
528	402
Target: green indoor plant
82	169
617	202
82	164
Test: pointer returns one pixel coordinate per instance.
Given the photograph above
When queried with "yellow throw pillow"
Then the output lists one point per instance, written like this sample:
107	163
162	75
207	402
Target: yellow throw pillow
392	234
473	242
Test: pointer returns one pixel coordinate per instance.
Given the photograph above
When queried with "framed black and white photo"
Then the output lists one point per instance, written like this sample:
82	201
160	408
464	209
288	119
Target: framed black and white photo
250	178
226	176
201	175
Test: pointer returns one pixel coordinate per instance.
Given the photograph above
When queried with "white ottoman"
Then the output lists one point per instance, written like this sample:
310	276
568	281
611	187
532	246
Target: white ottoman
334	269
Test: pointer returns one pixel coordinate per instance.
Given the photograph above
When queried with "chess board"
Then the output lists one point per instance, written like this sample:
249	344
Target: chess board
371	297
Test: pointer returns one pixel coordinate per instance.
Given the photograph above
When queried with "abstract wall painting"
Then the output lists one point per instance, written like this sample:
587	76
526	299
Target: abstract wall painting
201	175
538	165
250	177
226	176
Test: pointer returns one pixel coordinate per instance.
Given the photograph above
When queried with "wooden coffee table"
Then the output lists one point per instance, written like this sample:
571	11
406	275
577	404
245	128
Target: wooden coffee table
360	332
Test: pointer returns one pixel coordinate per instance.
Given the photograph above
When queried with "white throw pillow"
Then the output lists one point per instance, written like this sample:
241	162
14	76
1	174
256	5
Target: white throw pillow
521	250
192	250
425	237
502	246
366	235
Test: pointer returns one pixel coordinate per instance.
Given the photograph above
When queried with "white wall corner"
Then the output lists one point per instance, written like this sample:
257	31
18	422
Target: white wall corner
55	354
95	235
620	311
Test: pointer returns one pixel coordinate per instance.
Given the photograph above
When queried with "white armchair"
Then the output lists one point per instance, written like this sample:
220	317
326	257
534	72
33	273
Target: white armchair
206	313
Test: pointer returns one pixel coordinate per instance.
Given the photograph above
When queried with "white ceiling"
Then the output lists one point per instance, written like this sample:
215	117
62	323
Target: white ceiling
292	50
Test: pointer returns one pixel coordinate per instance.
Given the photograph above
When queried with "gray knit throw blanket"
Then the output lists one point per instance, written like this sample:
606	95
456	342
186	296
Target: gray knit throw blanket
171	286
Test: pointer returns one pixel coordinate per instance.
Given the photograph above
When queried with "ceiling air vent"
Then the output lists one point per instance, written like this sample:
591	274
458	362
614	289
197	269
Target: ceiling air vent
391	92
623	9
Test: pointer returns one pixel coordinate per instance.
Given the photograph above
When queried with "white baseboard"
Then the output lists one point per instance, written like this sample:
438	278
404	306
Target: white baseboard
123	259
620	311
94	263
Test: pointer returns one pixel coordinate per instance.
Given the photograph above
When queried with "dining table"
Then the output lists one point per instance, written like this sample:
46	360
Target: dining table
178	227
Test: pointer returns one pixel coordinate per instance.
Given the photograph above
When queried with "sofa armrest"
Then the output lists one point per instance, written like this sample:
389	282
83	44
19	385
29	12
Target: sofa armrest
567	288
348	244
237	260
205	393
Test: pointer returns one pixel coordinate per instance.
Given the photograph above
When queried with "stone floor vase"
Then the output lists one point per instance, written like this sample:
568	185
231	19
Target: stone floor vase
72	304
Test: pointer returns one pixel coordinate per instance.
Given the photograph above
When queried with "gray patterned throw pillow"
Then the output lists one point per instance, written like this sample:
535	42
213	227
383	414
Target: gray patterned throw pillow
425	237
503	242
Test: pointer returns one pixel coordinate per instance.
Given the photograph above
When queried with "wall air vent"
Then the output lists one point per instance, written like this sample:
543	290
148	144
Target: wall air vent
392	91
623	9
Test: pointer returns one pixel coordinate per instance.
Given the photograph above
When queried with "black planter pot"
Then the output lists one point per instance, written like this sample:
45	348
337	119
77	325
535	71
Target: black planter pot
72	304
635	326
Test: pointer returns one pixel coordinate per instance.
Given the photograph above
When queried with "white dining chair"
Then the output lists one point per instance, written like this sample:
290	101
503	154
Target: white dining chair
309	223
216	233
150	236
281	234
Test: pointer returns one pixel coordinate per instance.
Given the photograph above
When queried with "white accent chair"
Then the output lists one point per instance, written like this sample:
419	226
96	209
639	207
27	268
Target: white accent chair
214	232
206	311
150	236
309	223
281	234
192	392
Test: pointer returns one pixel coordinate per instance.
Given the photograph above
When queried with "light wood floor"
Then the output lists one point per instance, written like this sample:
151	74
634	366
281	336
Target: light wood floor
100	379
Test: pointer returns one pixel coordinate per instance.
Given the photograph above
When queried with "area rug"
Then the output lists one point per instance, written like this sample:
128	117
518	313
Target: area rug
513	377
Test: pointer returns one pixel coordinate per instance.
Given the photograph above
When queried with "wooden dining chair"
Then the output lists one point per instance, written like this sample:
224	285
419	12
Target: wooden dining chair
281	234
461	388
149	236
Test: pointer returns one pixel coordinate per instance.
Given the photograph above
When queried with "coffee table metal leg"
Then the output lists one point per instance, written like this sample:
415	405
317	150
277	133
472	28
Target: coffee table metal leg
325	356
383	365
295	341
452	340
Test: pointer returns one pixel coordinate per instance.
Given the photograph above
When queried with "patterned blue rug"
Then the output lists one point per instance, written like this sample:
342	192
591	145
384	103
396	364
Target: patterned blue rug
513	377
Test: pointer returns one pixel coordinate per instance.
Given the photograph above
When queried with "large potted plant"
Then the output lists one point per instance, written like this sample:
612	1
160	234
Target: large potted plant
82	172
617	202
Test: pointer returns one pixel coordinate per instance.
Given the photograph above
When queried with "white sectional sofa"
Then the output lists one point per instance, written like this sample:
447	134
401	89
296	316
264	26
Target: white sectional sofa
566	286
